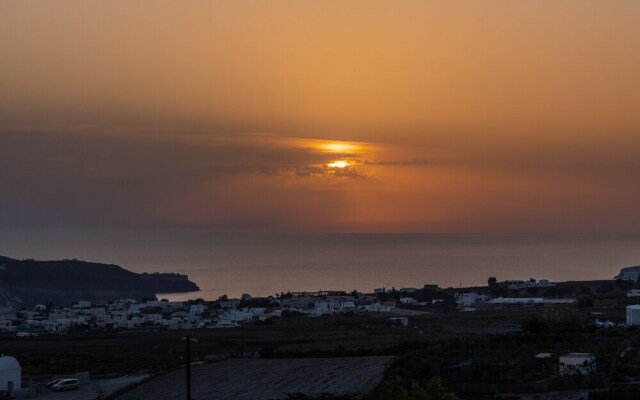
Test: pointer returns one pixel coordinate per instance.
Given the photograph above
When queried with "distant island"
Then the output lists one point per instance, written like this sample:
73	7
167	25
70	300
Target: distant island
25	283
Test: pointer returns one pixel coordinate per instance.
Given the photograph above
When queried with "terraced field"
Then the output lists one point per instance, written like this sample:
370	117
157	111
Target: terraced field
249	379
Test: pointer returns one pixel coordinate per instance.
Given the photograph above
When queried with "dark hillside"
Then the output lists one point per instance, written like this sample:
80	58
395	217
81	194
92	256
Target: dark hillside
29	282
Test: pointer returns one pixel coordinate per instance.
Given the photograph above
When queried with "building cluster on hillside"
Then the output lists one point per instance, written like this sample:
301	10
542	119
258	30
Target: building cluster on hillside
468	301
472	300
223	313
531	283
227	313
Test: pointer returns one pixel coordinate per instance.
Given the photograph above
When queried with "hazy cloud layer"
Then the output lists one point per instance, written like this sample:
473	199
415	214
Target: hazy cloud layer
258	182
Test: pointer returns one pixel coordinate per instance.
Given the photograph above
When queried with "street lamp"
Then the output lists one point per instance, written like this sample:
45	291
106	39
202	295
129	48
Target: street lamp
188	339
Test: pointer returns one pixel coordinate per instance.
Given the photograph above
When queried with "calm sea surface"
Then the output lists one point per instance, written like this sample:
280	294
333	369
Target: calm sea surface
264	264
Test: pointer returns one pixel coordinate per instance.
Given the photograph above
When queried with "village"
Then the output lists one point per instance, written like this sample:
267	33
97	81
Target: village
125	314
129	314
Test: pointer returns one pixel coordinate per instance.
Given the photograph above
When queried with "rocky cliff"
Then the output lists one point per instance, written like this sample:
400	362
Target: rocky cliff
25	283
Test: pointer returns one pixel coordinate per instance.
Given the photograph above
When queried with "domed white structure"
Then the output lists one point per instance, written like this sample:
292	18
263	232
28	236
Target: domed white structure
10	374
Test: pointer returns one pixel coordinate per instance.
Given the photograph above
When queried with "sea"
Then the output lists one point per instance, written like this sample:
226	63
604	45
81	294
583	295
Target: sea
264	264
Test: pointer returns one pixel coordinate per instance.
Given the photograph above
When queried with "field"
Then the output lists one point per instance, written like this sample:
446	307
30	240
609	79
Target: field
310	355
135	352
267	379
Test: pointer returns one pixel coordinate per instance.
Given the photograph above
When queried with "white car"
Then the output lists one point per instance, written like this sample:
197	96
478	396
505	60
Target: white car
66	384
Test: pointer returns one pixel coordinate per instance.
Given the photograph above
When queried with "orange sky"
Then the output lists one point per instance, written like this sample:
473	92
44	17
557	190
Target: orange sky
491	116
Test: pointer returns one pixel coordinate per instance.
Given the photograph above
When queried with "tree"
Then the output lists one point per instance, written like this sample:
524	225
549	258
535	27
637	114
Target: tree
432	390
492	281
436	391
585	301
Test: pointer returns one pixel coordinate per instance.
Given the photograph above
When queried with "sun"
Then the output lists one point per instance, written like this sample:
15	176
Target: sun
338	164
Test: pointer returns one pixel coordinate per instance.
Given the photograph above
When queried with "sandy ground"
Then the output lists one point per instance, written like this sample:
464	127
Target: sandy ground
249	379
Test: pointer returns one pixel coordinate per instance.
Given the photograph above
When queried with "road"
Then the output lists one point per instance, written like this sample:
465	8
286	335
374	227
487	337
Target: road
91	390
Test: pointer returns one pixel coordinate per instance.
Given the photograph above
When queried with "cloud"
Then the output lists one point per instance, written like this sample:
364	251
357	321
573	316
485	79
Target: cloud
346	172
397	163
308	170
79	179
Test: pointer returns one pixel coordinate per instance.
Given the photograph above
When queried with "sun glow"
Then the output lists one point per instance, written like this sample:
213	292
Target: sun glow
338	164
337	147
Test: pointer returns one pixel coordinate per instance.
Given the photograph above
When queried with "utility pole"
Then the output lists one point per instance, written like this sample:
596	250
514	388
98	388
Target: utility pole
188	339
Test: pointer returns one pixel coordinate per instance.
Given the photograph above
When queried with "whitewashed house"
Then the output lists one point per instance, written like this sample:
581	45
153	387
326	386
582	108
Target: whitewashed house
469	299
324	307
40	308
347	306
82	304
56	326
225	323
633	314
236	315
577	364
377	307
519	284
6	325
152	318
400	321
196	309
230	304
517	300
257	311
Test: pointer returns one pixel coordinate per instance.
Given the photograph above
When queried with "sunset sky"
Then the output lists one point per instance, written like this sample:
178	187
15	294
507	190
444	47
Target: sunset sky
326	116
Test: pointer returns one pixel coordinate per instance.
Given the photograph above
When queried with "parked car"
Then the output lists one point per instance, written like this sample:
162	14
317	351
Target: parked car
53	382
66	384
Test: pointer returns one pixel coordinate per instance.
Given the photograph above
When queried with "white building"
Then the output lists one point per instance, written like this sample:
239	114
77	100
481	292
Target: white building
40	308
83	304
633	315
10	374
324	307
517	300
347	306
577	364
604	324
196	309
230	304
377	307
225	323
518	284
236	315
400	321
545	283
468	299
